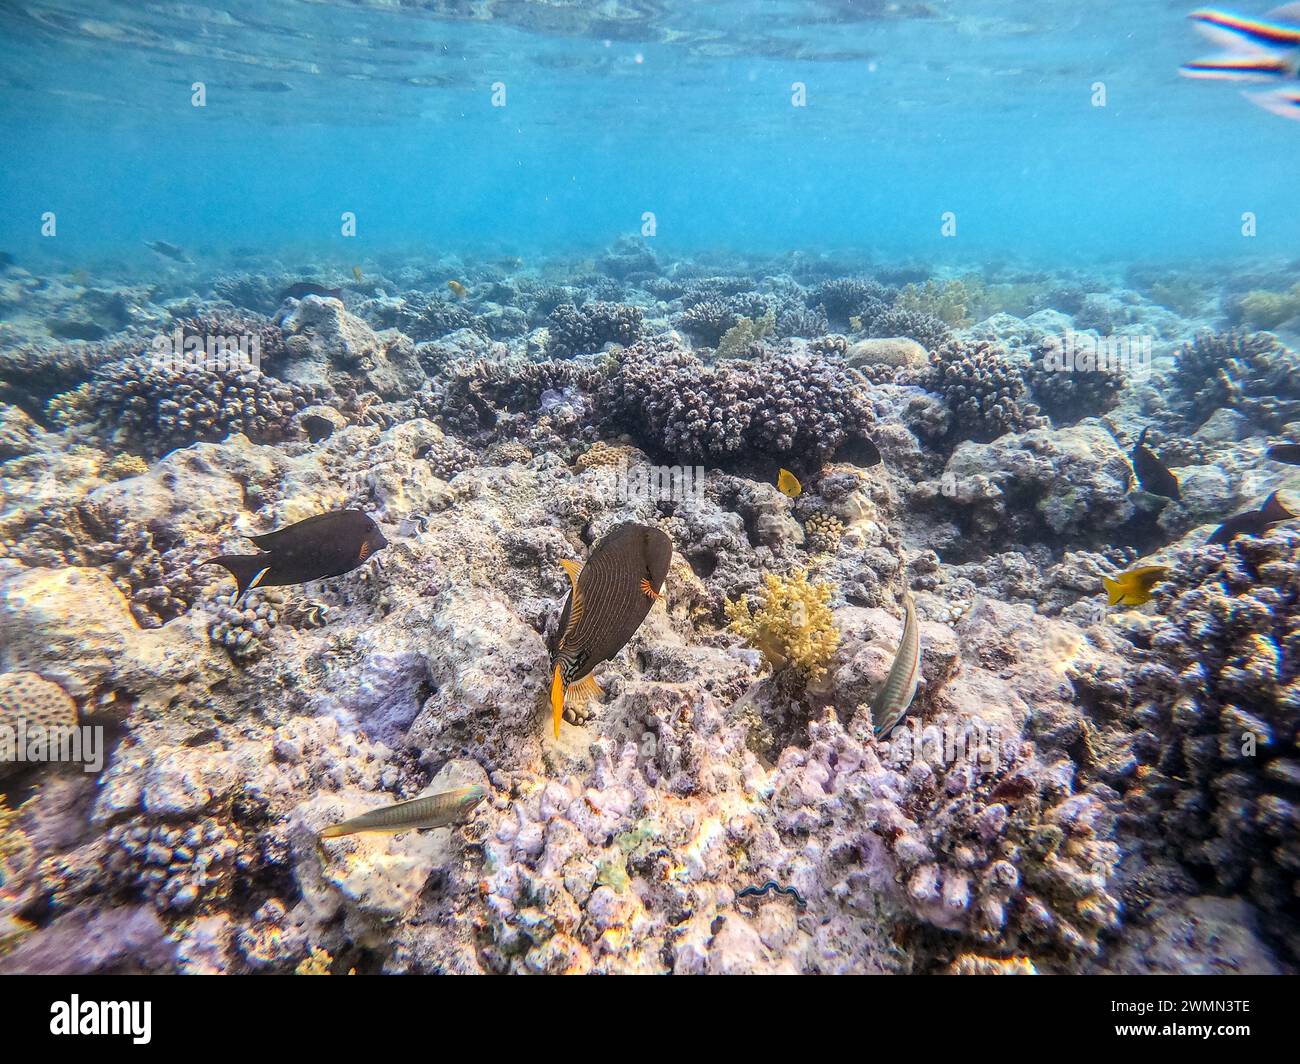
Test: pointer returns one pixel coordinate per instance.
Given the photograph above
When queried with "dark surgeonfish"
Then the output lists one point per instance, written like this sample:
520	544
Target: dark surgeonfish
310	288
1285	452
609	598
325	545
1252	522
166	250
1153	475
318	428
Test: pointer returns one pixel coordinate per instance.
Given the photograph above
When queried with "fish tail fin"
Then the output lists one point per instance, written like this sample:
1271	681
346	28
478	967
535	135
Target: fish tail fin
557	697
247	569
1114	590
1245	64
1273	510
1283	102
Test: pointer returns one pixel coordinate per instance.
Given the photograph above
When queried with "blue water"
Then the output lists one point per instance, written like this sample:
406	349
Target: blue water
675	107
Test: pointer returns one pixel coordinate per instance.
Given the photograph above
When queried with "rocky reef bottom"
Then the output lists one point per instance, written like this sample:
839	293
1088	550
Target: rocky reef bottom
1077	787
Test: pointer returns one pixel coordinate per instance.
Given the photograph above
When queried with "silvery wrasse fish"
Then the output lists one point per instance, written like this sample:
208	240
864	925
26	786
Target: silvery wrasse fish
432	811
894	698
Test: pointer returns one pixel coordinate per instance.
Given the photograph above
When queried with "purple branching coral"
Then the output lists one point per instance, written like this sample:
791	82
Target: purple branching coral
786	405
1006	853
1220	721
586	329
159	408
984	389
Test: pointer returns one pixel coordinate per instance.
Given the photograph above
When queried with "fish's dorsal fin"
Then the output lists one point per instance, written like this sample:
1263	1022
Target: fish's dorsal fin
573	569
1275	510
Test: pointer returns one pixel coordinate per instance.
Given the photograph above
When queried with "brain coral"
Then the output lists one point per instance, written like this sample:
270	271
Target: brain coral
27	697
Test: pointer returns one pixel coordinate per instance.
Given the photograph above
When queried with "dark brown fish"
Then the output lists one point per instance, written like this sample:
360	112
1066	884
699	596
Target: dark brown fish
318	428
310	288
1153	475
325	545
609	598
1252	522
170	251
1285	452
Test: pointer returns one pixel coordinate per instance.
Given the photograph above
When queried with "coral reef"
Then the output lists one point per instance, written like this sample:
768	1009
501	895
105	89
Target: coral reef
984	389
1068	792
586	329
1220	720
1254	373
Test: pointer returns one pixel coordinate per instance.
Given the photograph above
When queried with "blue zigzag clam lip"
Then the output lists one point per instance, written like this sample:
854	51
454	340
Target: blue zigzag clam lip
1256	50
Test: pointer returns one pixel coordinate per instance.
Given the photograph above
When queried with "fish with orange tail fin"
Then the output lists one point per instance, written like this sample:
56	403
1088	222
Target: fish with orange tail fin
609	598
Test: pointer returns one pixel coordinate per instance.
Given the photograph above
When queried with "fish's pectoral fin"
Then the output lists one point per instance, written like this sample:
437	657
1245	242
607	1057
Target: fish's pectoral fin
648	589
583	691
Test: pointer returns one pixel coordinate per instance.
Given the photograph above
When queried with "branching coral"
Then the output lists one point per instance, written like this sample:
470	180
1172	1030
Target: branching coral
848	297
925	329
984	389
159	407
1070	393
584	330
952	302
792	626
1254	373
1262	309
1221	720
777	407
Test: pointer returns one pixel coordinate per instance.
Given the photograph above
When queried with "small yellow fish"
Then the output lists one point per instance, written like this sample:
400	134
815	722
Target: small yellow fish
1133	588
458	289
788	484
356	272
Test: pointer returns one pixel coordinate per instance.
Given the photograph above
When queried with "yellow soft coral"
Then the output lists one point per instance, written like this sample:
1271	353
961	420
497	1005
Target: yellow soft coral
1267	310
793	625
736	340
952	301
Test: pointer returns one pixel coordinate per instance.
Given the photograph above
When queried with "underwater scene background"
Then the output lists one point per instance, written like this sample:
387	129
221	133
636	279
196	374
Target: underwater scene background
638	487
